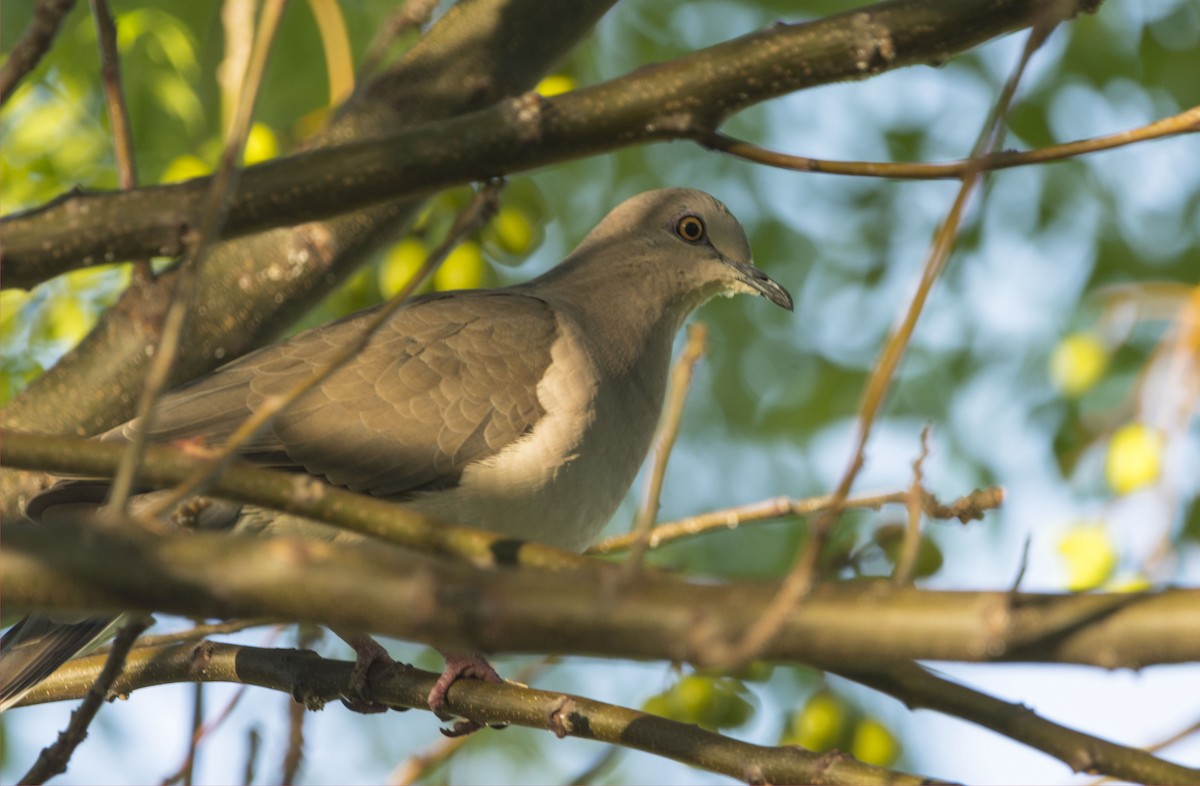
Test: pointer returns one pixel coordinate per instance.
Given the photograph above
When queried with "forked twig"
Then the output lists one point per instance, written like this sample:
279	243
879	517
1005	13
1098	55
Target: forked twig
907	563
966	508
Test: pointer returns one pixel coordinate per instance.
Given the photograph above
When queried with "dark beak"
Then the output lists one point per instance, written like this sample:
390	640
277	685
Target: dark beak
764	285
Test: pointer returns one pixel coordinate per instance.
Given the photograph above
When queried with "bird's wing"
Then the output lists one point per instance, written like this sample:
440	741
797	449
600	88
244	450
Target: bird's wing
446	381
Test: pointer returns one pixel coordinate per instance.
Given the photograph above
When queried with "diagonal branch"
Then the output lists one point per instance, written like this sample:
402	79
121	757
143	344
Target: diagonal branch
47	19
684	98
306	675
1186	122
918	688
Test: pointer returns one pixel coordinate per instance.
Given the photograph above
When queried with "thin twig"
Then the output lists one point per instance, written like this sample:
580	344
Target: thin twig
53	759
47	20
253	738
598	767
475	214
1186	122
804	573
1022	565
200	730
293	757
215	208
201	632
237	29
907	563
118	111
114	95
1174	739
414	767
968	508
189	770
198	735
664	441
123	151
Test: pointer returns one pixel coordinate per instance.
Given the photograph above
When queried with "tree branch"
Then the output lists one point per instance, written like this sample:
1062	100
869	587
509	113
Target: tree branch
316	681
968	508
917	687
1186	122
302	495
685	98
48	16
373	587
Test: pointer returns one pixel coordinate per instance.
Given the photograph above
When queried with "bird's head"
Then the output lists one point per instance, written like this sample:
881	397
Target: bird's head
686	246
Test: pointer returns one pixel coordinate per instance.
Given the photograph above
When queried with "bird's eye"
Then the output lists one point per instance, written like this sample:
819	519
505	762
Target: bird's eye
690	228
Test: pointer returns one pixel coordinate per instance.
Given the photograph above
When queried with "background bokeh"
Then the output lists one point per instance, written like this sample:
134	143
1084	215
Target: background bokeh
1043	362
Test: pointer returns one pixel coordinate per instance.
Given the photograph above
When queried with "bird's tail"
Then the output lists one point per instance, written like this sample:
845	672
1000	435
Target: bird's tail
35	647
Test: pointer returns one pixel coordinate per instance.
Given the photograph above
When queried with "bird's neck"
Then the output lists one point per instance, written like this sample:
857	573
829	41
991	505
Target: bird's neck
631	327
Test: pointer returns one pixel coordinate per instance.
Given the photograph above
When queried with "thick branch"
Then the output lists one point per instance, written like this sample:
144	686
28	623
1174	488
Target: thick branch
684	98
317	681
390	591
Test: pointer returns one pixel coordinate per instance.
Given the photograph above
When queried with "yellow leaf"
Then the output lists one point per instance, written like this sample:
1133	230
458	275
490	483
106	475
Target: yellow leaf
261	144
554	84
820	725
513	231
402	262
1078	363
1089	554
1134	458
874	743
185	167
464	268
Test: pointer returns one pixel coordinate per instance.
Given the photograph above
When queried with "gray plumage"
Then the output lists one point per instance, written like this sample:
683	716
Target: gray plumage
525	410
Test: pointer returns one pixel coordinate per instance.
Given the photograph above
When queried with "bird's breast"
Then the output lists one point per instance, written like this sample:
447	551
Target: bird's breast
562	481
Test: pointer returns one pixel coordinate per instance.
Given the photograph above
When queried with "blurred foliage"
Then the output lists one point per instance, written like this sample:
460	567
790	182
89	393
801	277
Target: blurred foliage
709	701
1060	322
829	721
1089	554
1134	458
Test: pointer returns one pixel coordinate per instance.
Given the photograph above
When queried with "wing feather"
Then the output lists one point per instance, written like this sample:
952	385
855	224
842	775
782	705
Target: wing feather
445	382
